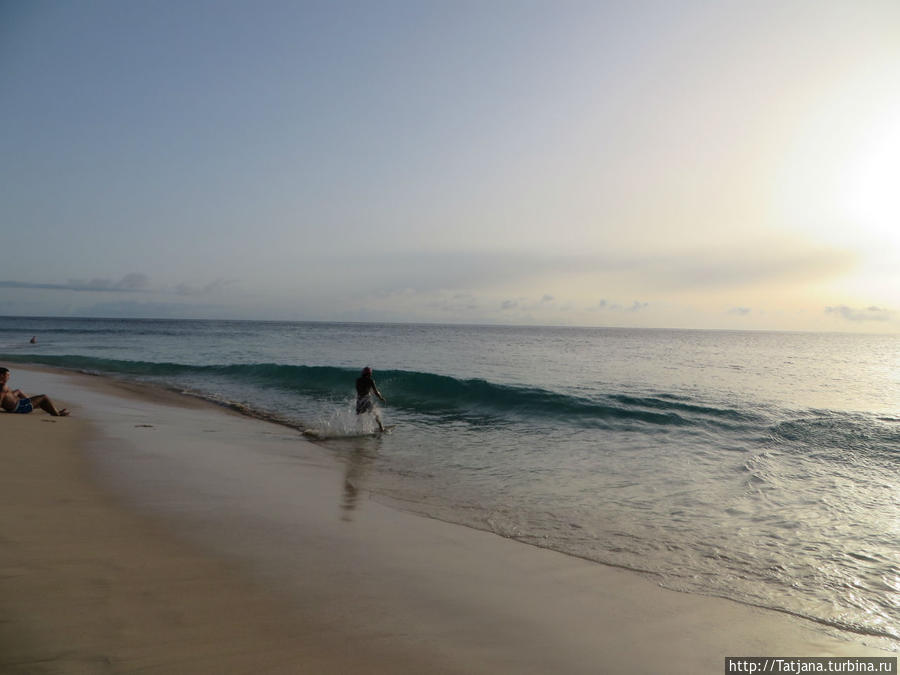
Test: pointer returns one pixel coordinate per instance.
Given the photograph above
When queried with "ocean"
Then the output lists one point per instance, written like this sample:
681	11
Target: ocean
756	466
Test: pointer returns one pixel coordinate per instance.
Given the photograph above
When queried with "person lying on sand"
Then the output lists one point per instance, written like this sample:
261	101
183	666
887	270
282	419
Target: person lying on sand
15	401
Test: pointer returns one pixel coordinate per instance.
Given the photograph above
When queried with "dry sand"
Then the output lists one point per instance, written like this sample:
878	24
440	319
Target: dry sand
150	533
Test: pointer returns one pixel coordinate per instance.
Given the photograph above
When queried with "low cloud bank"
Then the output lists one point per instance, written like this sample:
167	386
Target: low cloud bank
871	313
129	283
134	282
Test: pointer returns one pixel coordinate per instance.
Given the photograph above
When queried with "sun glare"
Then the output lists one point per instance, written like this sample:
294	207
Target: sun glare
872	200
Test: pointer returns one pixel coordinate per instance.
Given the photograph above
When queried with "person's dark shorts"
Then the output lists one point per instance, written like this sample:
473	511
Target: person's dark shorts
23	406
363	405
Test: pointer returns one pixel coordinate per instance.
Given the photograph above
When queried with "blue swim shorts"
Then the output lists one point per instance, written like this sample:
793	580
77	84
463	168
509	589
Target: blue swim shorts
24	406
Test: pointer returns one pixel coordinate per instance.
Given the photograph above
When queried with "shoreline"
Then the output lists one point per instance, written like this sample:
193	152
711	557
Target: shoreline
178	494
88	584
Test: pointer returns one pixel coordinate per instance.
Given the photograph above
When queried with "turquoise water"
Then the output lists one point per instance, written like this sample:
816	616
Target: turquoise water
762	467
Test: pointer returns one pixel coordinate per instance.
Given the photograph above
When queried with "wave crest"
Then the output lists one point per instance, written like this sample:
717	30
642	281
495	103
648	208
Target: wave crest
423	393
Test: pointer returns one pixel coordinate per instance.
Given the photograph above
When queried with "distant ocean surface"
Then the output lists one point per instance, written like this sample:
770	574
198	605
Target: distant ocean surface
760	467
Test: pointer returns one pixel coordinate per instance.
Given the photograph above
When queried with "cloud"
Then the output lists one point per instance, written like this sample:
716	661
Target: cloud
130	283
547	301
605	305
212	287
457	303
134	282
871	313
739	311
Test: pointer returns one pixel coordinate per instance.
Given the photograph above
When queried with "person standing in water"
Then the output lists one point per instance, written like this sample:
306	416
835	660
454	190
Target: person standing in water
365	387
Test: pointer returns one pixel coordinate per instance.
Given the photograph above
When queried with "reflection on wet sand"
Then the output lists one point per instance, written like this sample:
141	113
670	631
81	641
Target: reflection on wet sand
358	461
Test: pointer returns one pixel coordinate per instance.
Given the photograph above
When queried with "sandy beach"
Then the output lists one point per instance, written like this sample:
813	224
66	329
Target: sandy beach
151	532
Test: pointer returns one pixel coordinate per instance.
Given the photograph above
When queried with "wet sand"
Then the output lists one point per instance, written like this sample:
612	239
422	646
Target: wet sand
156	533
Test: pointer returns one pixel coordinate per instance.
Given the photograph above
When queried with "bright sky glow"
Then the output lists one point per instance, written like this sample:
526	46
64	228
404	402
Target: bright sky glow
674	164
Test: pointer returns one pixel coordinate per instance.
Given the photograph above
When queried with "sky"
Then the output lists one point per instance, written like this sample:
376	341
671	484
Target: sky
683	163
